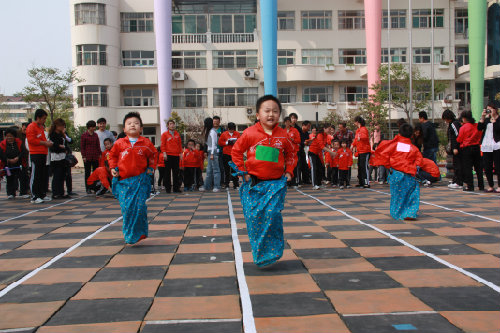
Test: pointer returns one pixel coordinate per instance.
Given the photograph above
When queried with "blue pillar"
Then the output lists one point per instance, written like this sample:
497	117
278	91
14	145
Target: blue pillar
269	30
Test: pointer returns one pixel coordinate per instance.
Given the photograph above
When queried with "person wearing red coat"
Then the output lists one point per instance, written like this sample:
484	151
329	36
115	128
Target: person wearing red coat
227	140
345	162
294	136
316	148
361	146
332	164
200	154
190	162
11	156
470	139
171	148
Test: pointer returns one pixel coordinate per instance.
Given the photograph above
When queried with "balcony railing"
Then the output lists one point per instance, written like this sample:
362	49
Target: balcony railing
213	38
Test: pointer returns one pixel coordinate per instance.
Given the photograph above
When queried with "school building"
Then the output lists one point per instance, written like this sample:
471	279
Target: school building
217	59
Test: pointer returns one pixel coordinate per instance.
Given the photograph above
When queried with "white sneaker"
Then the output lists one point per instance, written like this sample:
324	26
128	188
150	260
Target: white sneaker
316	187
201	189
10	197
341	187
25	196
381	182
37	201
47	198
215	190
453	185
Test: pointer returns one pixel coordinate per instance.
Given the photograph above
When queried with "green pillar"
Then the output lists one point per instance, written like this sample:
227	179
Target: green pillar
477	40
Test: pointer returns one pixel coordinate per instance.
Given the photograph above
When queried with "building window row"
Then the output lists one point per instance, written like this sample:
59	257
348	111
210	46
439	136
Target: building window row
189	60
138	58
234	59
90	13
137	22
92	96
219	23
138	97
224	97
422	18
91	54
323	94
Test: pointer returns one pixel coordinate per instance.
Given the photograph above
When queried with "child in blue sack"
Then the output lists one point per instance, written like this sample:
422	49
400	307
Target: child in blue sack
131	160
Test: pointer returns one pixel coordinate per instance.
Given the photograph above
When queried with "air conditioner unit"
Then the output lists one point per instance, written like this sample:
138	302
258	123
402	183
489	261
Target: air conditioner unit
249	73
250	112
178	75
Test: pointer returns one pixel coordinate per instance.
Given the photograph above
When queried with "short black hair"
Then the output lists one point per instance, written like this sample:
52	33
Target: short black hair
25	124
336	140
231	126
343	141
91	123
468	115
132	115
170	121
107	139
306	123
400	122
216	117
448	115
423	115
40	113
114	133
293	114
287	119
101	120
12	131
191	140
266	98
406	130
492	105
343	123
359	119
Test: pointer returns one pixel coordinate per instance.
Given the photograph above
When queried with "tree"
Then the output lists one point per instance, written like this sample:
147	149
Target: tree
400	89
49	87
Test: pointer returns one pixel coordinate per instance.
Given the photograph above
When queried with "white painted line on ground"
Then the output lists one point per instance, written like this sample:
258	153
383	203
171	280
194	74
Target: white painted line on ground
492	194
246	303
430	255
408	313
13	285
191	321
42	209
446	208
17	330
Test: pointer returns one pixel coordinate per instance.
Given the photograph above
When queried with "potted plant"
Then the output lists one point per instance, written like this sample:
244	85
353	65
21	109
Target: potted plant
349	67
329	67
444	64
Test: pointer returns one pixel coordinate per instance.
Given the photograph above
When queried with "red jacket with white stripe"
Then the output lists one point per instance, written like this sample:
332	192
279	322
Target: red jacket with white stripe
362	140
399	154
132	160
345	158
223	141
171	144
190	159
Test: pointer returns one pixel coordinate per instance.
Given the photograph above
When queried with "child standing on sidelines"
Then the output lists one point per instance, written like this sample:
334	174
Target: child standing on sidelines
201	164
271	159
190	164
227	141
132	160
345	162
102	174
332	164
161	170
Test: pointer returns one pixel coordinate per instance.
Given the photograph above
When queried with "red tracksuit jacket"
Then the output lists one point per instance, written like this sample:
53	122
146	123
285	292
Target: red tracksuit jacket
399	154
345	158
362	140
172	145
132	161
190	159
294	136
104	158
468	135
224	137
35	134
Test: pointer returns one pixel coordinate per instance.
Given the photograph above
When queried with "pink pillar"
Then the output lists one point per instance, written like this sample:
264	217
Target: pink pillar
373	29
163	33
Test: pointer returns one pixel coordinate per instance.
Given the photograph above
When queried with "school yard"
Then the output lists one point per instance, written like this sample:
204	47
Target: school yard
347	267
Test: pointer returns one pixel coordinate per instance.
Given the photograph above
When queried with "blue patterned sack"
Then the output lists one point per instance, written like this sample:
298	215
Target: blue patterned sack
405	195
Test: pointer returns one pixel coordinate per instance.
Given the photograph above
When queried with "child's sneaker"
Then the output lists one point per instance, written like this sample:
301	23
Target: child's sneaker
10	197
316	187
381	182
215	190
348	186
47	198
37	201
341	187
201	189
25	196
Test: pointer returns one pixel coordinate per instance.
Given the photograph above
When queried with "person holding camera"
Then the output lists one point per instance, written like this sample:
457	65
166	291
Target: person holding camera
490	145
226	141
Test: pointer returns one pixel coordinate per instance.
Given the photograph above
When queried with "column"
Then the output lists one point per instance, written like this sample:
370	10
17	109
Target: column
477	40
373	30
269	32
163	34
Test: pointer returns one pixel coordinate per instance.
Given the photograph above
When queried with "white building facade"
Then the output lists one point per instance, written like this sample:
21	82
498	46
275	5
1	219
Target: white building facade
217	62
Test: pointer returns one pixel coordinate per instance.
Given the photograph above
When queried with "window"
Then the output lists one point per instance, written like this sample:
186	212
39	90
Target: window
353	94
189	59
228	24
317	94
138	58
90	54
92	96
138	97
235	96
422	55
286	57
137	22
398	19
461	55
317	57
90	13
462	22
422	18
317	20
189	98
462	92
287	94
286	20
351	19
352	56
189	24
397	55
235	59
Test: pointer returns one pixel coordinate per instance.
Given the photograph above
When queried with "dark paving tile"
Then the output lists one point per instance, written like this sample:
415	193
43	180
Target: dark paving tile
355	281
82	262
199	258
209	217
246	247
412	233
11	245
459	298
355	227
283	267
217	327
7	277
130	273
462	218
312	235
208	239
205	226
371	242
35	253
287	305
330	253
450	249
489	274
299	224
25	231
33	293
424	323
165	233
404	263
148	249
101	311
104	242
490	230
479	239
198	287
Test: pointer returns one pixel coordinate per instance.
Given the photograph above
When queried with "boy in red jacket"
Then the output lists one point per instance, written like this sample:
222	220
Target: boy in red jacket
345	162
102	174
294	136
361	146
131	160
402	158
226	141
171	148
201	164
161	170
332	164
271	158
191	162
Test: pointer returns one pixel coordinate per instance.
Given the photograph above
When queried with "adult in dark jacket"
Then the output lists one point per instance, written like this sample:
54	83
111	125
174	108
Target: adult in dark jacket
490	144
431	141
58	157
454	147
11	155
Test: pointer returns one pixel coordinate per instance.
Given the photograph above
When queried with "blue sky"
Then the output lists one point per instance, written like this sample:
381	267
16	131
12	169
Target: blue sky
32	32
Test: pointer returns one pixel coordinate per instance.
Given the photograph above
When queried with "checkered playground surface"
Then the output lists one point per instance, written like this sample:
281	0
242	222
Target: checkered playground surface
347	266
